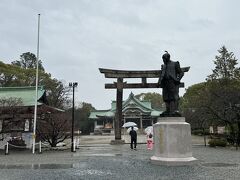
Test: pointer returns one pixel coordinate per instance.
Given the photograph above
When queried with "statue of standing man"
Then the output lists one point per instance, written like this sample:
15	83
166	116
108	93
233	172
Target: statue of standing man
169	81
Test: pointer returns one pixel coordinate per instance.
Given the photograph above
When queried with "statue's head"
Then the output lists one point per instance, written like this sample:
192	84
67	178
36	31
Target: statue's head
166	57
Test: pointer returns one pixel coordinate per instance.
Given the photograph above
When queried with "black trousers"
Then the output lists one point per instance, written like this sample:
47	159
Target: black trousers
133	141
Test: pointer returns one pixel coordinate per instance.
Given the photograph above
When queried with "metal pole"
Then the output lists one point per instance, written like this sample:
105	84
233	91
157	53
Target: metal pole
6	149
40	147
74	145
72	148
77	146
36	94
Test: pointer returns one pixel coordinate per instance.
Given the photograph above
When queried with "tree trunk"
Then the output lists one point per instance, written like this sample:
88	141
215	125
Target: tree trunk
204	136
238	135
54	142
232	133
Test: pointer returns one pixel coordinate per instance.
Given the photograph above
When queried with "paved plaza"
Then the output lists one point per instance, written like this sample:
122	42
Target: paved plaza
104	161
99	139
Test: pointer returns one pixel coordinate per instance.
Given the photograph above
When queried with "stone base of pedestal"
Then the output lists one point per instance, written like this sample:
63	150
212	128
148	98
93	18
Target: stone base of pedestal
173	161
115	142
172	142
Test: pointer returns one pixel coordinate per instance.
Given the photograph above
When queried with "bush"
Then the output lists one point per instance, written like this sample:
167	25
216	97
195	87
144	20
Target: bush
217	142
197	132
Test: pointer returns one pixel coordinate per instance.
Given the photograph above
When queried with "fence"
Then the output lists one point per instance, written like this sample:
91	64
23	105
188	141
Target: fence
40	144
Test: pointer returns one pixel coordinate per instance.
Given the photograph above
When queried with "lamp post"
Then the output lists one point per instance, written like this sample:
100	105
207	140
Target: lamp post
73	85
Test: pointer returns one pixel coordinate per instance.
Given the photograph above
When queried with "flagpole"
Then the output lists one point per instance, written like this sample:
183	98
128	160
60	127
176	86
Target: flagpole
36	93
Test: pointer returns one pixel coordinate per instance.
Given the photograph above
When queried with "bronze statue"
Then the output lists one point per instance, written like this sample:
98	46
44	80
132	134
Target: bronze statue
169	80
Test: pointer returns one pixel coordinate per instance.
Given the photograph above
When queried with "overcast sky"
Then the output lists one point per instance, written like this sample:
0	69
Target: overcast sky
79	36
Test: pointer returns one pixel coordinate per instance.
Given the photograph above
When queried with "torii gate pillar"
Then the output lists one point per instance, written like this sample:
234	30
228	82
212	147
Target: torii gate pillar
118	116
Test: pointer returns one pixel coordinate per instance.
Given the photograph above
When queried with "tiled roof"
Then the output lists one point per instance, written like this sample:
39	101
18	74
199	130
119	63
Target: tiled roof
26	94
101	113
131	102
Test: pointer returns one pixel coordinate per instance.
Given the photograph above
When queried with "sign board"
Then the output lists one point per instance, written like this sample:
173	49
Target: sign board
26	127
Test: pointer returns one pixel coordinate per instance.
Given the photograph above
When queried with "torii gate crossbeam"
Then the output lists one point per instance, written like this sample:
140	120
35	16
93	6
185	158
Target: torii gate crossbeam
120	85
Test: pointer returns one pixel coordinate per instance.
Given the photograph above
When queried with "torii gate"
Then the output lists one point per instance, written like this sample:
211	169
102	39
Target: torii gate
120	85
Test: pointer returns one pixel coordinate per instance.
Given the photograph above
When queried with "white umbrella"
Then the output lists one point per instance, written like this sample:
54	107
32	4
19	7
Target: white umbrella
134	128
129	124
149	130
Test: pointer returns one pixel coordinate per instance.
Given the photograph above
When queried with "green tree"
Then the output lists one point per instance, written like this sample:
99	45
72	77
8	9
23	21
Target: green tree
155	99
82	121
11	75
194	105
225	66
224	89
28	60
23	73
194	96
57	92
219	96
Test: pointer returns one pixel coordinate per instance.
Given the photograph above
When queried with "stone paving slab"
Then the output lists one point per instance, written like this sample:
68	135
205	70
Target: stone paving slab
104	161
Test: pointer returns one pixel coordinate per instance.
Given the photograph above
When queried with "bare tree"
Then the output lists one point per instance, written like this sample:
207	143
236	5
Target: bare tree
54	128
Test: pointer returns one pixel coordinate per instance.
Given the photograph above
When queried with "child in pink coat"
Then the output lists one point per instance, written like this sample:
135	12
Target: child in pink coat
149	141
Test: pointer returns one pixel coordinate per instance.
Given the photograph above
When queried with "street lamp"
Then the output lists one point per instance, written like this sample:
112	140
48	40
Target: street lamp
73	85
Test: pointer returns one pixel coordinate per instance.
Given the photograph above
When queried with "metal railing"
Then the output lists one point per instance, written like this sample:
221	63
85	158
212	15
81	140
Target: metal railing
40	144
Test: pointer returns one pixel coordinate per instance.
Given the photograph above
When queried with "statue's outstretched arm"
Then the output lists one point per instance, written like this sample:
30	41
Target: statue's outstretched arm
179	71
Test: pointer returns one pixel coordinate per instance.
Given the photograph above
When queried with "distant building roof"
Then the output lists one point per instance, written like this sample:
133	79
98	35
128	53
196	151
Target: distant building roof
131	102
101	113
144	105
26	94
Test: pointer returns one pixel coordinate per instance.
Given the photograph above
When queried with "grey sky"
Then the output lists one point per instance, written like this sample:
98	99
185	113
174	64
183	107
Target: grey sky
79	36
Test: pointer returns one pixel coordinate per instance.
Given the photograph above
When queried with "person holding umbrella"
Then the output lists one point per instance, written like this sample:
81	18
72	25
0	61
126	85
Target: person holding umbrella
133	135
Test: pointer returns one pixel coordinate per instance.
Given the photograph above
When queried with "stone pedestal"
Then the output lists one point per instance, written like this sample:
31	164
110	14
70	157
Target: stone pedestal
172	142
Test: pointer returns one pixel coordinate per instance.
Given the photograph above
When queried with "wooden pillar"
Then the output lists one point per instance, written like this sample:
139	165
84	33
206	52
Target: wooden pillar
113	123
118	117
141	122
95	124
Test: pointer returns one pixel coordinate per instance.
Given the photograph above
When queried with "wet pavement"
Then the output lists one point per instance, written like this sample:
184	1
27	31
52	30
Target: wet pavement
104	161
36	166
99	139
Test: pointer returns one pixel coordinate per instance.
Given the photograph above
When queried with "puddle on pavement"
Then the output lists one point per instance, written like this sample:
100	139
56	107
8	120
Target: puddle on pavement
219	165
97	154
41	166
118	154
36	166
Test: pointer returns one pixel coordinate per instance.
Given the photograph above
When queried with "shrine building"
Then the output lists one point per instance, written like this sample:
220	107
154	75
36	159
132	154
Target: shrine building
133	110
17	113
